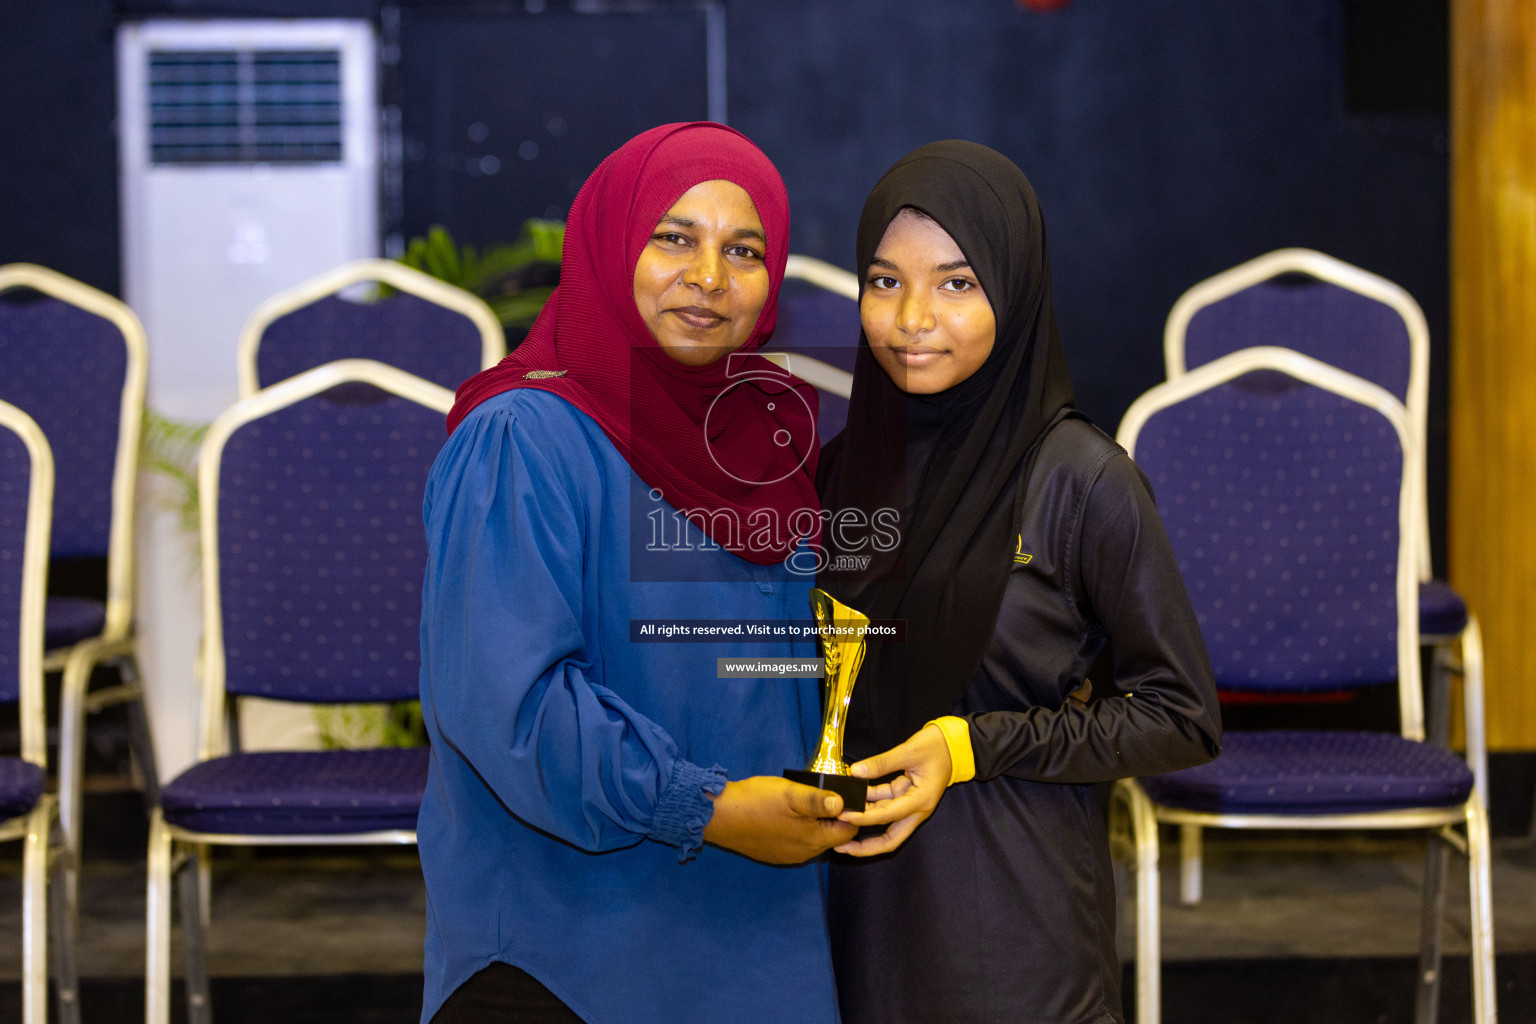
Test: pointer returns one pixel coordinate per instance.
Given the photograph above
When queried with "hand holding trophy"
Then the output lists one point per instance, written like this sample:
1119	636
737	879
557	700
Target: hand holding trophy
840	630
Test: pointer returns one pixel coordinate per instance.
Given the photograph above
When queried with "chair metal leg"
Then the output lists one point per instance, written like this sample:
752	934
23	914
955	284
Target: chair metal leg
1472	694
157	954
66	982
77	676
194	921
1437	705
205	885
34	913
1143	823
232	738
140	740
1191	864
1426	999
1479	886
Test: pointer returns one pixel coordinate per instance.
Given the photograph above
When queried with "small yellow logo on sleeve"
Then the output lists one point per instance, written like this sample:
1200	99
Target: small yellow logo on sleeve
1020	556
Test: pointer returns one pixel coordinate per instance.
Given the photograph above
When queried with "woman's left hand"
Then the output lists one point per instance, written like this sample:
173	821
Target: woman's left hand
907	800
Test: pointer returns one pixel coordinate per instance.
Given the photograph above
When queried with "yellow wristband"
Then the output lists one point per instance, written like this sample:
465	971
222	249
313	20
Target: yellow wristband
957	736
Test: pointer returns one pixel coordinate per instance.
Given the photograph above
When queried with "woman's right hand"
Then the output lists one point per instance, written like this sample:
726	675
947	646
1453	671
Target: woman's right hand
776	821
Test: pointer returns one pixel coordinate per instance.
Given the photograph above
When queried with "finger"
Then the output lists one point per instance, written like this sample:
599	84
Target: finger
886	841
866	847
888	790
893	760
835	831
857	848
887	811
810	802
903	829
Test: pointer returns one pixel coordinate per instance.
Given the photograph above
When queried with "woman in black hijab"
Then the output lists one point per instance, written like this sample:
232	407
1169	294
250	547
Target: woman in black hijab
1030	551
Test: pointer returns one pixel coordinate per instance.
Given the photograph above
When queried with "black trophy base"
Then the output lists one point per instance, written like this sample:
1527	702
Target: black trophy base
852	790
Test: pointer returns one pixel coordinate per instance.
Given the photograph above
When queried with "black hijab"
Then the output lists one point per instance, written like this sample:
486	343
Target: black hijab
951	462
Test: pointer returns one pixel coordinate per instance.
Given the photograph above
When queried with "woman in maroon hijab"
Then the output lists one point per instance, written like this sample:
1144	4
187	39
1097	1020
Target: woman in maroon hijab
605	820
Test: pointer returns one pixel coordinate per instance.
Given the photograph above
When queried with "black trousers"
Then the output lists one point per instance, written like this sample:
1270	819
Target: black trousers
503	994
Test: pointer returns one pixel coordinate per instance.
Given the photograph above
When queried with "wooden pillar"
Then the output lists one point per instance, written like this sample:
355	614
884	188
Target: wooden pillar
1492	514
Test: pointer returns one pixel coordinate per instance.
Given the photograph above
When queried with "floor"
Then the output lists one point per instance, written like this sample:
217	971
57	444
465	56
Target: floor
1330	922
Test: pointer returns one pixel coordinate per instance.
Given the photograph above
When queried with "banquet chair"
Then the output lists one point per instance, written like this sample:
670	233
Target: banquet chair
1287	488
75	359
817	335
428	328
312	560
27	810
1366	325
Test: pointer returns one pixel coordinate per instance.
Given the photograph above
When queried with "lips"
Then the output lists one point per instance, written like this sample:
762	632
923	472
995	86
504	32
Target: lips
699	317
919	355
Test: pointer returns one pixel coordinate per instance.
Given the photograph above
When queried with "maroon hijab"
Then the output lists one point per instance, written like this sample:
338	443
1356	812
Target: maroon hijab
732	443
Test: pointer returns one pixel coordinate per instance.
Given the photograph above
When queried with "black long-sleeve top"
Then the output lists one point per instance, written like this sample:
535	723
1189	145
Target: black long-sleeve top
1001	907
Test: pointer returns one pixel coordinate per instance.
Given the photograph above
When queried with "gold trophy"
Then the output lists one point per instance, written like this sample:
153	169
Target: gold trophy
840	630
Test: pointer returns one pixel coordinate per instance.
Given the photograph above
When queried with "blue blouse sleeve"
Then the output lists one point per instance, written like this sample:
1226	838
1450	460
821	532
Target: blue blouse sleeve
509	680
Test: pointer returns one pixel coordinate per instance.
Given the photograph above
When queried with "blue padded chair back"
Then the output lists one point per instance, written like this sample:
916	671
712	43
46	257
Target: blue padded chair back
418	336
26	495
66	367
824	326
320	547
1282	503
15	480
1332	324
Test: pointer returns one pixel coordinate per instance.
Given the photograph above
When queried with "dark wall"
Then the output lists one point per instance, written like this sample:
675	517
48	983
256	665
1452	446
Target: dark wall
505	114
58	148
1168	139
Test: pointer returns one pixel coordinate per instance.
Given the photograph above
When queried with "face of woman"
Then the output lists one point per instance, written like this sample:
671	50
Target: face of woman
928	322
701	281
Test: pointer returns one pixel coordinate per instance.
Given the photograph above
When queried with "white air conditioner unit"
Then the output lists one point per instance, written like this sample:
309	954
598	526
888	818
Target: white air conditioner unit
249	163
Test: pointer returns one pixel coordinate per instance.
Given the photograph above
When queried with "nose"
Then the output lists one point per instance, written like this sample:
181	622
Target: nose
706	269
915	314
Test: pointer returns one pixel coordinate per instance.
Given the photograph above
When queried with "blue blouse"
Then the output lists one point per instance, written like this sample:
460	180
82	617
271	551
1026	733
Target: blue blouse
561	828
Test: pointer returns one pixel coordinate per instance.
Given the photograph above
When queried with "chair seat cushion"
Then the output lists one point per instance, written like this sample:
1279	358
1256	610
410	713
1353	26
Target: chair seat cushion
1442	611
21	783
300	792
68	620
1304	772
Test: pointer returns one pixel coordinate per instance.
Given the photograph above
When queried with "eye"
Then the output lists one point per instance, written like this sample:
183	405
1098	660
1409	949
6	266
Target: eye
881	282
669	238
958	284
744	252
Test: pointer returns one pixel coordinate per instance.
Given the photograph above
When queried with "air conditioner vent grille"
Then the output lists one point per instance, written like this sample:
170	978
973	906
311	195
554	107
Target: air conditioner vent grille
245	106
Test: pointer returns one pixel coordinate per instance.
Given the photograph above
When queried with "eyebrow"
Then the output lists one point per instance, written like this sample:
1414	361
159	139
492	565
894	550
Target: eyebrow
942	268
685	222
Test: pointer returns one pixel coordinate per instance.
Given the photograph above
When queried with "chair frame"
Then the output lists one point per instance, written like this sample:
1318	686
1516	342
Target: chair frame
173	849
116	645
493	341
1446	661
1135	811
823	275
42	856
815	372
1324	268
1334	271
